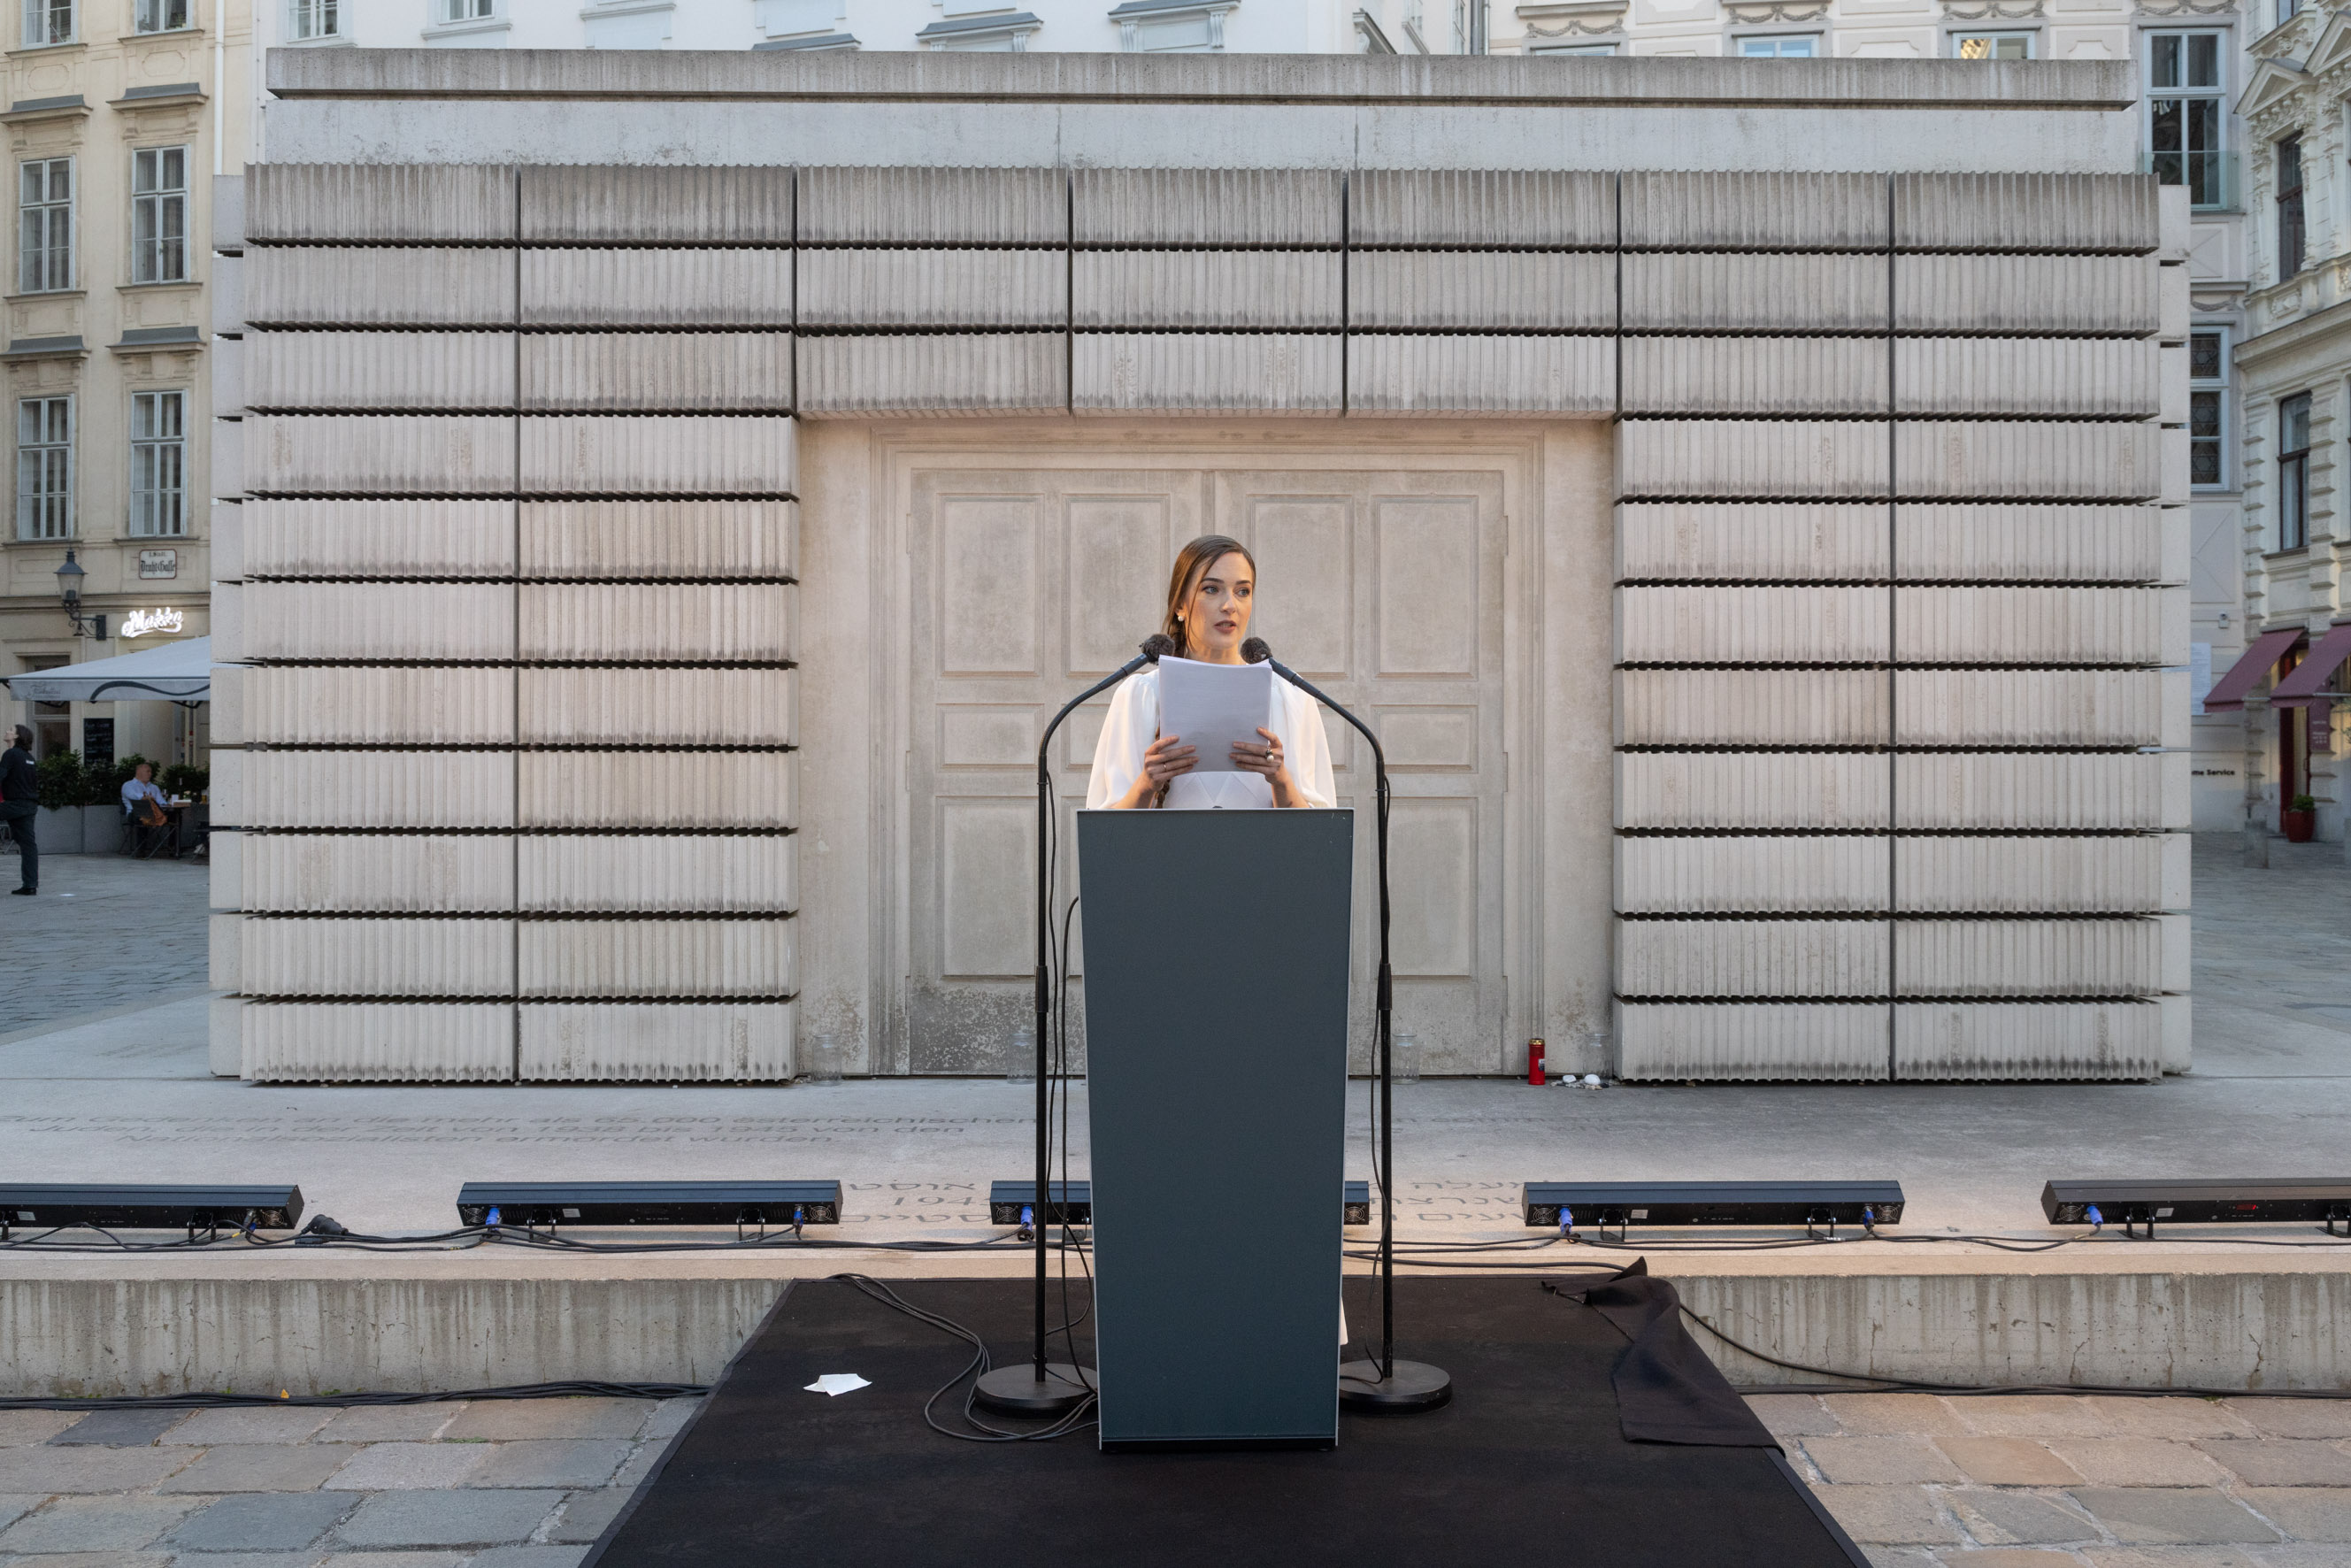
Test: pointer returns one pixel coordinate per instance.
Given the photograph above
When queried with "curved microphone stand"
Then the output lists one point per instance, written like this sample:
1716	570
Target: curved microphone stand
1039	1387
1385	1383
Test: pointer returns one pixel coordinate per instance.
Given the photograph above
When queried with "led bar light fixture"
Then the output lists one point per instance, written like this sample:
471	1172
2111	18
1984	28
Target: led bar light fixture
556	1202
2261	1200
43	1205
1073	1202
1618	1204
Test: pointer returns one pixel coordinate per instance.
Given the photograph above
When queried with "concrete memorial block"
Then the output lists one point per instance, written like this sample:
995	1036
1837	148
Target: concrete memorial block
1188	207
386	455
2041	707
659	454
677	372
1518	376
224	952
2026	211
228	289
655	707
1530	209
367	790
1205	372
666	874
378	621
390	371
1759	459
386	203
1995	1040
612	621
1827	1042
1784	376
933	205
2086	378
2132	873
379	286
652	286
2082	791
228	459
2027	460
2025	542
587	540
423	538
1473	290
326	873
963	288
381	1042
657	788
228	520
229	399
342	705
1754	291
1722	958
923	374
1739	624
1773	541
1752	707
1823	791
2046	294
311	956
1753	210
1188	288
598	203
668	959
1760	876
2020	625
690	1041
2032	957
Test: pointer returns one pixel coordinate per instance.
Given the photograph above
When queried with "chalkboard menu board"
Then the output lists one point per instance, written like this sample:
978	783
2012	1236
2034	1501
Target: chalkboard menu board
98	743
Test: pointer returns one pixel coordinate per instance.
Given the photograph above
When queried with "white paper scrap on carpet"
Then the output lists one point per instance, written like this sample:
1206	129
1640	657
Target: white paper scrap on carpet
837	1382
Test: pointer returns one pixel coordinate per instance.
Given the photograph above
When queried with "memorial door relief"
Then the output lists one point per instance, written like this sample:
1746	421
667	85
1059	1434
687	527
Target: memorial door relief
1383	585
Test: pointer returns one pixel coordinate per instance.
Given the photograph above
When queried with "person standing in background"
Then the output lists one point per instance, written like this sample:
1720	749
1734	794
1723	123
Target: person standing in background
20	797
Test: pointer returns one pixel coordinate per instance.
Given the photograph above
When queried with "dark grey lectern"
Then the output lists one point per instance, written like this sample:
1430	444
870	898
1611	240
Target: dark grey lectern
1216	989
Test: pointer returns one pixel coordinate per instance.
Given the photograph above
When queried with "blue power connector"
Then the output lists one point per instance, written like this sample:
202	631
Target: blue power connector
490	1220
2097	1221
1566	1223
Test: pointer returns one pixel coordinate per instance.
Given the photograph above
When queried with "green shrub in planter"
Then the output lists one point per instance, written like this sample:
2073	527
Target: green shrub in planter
2303	803
61	781
186	779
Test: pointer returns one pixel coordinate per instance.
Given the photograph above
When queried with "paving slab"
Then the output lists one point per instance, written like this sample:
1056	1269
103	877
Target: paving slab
260	1424
2138	1461
2294	1417
259	1467
2191	1557
395	1560
2010	1557
389	1423
585	1515
587	1463
1888	1515
91	1559
1865	1414
1996	1516
669	1418
244	1560
2183	1516
47	1470
96	1523
1885	1458
449	1519
2305	1513
2031	1415
12	1509
17	1426
2173	1416
530	1557
283	1521
389	1467
505	1419
2008	1461
2288	1463
1794	1415
121	1429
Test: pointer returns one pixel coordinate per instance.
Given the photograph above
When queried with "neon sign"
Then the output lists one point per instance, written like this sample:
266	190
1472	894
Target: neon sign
138	622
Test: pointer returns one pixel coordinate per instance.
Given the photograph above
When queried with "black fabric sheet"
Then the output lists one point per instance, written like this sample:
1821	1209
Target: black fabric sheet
1532	1456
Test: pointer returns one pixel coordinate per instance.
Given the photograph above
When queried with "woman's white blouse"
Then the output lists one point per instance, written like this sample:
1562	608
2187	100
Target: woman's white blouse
1132	724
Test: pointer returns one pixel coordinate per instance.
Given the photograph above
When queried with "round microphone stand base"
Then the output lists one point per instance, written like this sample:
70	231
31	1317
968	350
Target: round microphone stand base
1017	1390
1410	1386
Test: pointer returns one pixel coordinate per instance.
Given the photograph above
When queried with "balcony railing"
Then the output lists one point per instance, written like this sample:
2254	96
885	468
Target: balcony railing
2212	178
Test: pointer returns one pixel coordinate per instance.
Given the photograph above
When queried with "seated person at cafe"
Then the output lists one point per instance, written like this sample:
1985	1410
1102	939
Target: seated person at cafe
155	822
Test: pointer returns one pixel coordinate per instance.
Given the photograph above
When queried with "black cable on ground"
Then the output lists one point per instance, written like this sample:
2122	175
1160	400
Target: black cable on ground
237	1401
975	1430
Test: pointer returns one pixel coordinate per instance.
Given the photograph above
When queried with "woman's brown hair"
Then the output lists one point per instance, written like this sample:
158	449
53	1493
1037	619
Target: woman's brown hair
1192	564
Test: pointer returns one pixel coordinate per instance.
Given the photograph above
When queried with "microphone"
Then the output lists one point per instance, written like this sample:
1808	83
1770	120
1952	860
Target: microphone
1255	651
1159	645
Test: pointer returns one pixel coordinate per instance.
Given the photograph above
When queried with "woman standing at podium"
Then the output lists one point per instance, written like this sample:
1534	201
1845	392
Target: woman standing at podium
1210	595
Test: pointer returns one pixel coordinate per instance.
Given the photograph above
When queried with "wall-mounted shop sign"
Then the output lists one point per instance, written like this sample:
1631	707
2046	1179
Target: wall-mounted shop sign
138	622
159	563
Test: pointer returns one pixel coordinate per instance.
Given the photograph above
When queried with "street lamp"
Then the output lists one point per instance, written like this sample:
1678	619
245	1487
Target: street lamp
69	578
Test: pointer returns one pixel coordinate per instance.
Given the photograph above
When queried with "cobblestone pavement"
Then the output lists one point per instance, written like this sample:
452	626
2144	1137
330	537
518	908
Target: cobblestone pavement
2061	1483
107	932
492	1484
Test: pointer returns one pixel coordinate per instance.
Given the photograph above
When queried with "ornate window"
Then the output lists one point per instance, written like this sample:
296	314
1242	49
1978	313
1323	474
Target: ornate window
2290	227
2208	408
2187	114
2294	472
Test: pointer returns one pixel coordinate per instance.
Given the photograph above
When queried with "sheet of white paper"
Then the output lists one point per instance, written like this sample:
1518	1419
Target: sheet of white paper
1212	706
837	1382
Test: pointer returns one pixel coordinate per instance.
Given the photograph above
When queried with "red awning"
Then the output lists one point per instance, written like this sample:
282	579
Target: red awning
2300	689
2228	691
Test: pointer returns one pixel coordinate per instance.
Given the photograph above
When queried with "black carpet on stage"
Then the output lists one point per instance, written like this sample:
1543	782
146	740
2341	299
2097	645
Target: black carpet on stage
1534	1454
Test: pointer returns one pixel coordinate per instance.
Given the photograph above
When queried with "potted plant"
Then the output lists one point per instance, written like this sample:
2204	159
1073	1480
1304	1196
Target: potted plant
2301	820
57	828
